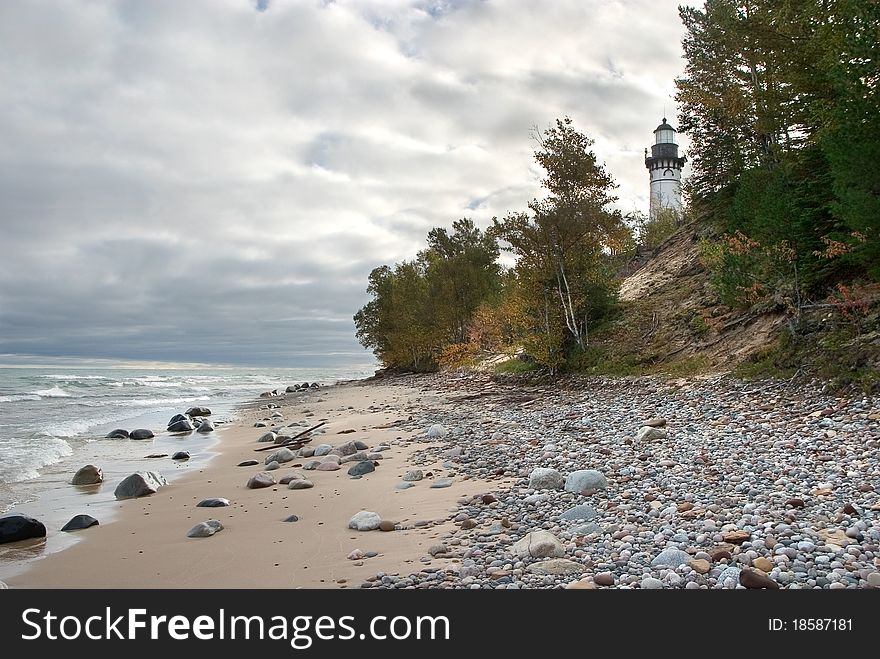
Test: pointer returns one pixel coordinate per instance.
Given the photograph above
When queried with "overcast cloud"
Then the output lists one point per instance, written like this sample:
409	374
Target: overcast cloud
212	180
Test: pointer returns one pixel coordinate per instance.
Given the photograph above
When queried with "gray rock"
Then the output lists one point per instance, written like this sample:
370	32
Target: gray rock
119	433
361	468
181	426
360	456
649	434
248	463
78	522
585	479
88	475
140	484
322	449
438	550
873	579
454	452
671	557
205	529
581	511
272	466
291	518
307	451
311	465
328	466
360	446
180	455
349	448
20	527
650	583
413	475
729	573
261	480
267	438
365	520
543	478
281	456
441	483
404	486
205	427
436	431
300	484
293	476
538	544
556	566
587	529
198	411
141	433
176	418
212	503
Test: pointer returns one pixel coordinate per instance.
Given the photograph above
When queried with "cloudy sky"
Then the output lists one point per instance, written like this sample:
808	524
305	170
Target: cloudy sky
212	180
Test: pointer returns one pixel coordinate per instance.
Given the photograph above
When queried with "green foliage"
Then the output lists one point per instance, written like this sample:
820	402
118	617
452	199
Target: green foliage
563	245
782	106
653	231
698	325
515	366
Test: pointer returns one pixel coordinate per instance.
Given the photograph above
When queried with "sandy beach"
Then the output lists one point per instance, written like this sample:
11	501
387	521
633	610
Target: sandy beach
633	483
146	545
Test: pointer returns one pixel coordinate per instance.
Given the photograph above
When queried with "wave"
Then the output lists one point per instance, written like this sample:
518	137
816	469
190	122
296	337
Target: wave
54	392
74	378
17	397
141	402
22	460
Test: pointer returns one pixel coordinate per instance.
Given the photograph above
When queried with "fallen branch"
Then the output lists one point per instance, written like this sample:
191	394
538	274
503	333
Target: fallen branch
293	440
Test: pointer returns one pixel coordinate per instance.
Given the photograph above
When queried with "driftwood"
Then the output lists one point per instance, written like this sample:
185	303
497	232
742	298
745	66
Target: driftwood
293	440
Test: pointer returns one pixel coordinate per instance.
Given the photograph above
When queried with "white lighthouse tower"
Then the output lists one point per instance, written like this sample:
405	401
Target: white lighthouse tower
664	165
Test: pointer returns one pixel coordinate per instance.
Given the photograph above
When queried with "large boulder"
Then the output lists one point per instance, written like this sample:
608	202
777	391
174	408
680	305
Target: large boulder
180	455
585	479
88	475
205	426
543	478
281	456
436	431
183	425
198	411
361	468
176	418
365	520
538	544
263	479
20	527
119	433
349	448
141	433
140	484
78	522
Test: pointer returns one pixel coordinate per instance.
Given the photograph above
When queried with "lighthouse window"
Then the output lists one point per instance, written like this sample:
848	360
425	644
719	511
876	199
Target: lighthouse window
665	137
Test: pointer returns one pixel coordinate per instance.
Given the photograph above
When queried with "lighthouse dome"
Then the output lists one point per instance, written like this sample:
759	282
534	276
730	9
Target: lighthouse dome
664	133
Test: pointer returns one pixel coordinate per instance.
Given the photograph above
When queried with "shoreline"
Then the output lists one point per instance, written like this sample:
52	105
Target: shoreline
746	485
110	549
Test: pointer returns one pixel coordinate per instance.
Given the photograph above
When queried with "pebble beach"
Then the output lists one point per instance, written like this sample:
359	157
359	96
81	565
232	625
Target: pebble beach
458	480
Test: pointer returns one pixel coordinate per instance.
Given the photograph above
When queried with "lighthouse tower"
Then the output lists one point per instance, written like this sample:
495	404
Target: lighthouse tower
664	165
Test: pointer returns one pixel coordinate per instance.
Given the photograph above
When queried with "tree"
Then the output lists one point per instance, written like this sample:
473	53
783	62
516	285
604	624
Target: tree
560	245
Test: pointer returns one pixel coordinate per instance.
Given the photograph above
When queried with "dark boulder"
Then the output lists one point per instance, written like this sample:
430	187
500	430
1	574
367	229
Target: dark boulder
88	475
361	468
181	426
177	417
119	433
198	411
180	455
20	527
80	522
139	485
141	433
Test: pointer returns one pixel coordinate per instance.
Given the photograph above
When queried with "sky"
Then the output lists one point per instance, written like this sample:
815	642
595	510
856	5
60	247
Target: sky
212	181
